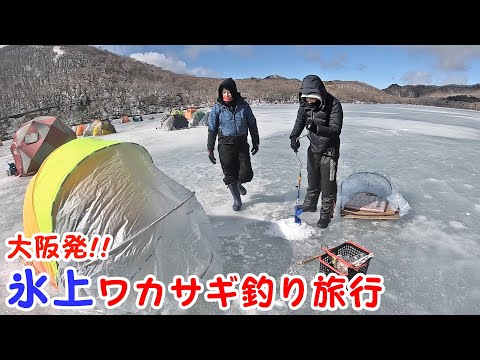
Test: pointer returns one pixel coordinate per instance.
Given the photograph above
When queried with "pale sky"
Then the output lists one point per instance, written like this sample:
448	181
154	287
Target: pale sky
376	65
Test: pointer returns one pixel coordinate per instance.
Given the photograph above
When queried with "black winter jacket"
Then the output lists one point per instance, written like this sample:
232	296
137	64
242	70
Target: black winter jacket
327	116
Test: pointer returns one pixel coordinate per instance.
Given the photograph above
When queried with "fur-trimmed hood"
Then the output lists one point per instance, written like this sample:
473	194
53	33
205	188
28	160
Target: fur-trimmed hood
312	84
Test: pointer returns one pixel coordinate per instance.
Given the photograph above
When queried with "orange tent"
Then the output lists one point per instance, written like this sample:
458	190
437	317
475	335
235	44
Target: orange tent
125	119
189	112
80	129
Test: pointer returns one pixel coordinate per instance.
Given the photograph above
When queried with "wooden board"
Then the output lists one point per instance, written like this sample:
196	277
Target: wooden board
389	213
366	202
371	217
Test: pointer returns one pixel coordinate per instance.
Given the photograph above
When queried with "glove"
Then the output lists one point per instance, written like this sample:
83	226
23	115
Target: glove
312	127
211	156
254	149
294	143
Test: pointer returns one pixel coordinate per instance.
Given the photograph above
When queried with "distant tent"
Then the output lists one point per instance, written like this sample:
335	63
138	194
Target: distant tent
157	225
89	128
80	129
137	118
197	116
189	113
162	119
103	128
36	139
124	119
175	122
176	111
204	120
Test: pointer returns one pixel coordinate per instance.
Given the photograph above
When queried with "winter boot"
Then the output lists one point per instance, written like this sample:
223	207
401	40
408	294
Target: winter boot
326	210
324	220
237	201
323	223
243	191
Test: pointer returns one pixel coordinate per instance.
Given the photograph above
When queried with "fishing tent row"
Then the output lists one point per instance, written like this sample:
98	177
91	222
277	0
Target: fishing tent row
176	119
37	138
94	128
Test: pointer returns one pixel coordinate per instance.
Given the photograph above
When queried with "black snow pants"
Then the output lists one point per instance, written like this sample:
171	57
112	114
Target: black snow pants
322	178
235	161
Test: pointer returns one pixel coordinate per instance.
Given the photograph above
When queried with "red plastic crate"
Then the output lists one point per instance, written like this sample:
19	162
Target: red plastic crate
341	260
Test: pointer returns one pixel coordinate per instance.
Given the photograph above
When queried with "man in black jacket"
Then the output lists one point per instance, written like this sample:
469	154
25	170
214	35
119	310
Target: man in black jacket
322	114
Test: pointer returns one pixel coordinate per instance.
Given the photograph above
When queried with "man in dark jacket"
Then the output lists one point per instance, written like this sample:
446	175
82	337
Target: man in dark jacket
231	119
322	114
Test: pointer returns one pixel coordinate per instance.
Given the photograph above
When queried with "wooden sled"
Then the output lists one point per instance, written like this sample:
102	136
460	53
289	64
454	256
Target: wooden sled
369	206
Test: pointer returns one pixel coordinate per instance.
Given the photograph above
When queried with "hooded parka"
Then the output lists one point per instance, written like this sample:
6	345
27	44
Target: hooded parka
325	118
231	122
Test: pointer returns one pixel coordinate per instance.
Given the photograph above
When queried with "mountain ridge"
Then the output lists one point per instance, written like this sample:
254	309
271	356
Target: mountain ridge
82	82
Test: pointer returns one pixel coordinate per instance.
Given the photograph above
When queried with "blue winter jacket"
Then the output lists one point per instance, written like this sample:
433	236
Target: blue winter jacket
231	122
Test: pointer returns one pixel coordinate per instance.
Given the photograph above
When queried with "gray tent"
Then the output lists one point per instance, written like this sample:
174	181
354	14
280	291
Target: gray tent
162	118
196	118
204	120
89	129
175	122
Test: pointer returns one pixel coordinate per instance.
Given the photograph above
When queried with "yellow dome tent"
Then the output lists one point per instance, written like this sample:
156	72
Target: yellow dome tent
103	128
105	187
